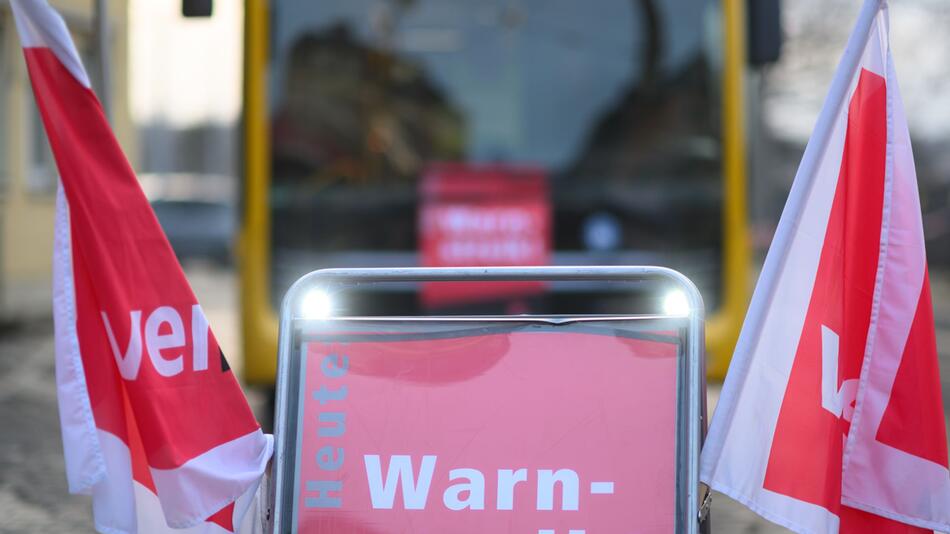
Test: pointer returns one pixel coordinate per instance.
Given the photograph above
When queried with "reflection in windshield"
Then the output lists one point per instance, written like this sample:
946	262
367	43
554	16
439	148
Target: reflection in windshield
616	101
356	113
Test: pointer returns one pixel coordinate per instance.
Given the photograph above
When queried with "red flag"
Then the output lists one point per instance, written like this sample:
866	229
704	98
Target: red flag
831	418
154	424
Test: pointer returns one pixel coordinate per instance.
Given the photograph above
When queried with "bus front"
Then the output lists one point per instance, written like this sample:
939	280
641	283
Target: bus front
424	132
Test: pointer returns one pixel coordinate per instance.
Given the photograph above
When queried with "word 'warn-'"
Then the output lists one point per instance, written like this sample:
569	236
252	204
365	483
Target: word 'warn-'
469	492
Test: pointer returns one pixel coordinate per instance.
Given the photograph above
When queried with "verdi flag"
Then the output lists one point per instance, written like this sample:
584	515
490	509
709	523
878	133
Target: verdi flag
831	417
155	426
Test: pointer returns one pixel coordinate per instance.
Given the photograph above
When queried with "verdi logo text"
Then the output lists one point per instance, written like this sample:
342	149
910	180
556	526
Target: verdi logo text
164	335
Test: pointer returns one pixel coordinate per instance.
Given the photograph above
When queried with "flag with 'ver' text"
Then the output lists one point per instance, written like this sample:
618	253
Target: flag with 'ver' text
155	426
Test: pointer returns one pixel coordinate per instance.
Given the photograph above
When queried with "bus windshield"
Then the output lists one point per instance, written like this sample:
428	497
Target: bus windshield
603	114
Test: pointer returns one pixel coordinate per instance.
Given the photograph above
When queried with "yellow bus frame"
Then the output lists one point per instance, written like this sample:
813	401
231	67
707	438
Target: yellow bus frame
258	317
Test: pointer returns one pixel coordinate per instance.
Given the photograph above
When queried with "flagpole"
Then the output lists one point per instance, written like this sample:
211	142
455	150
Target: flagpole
778	251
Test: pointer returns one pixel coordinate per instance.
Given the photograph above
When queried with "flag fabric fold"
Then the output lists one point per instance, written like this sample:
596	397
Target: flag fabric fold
831	417
155	426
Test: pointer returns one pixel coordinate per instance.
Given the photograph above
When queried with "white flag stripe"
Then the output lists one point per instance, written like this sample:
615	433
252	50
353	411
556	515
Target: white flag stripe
85	465
877	50
121	505
151	520
114	507
189	484
40	26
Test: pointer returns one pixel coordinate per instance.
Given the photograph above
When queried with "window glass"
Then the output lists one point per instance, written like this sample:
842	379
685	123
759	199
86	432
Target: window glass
613	102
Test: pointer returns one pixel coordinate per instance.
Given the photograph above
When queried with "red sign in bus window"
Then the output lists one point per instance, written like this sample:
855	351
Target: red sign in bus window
523	429
479	216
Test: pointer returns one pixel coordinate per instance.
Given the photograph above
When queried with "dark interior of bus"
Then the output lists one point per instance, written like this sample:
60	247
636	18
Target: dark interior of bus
617	105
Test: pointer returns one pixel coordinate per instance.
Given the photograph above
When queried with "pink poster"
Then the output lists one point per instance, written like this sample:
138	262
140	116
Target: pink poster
473	215
534	431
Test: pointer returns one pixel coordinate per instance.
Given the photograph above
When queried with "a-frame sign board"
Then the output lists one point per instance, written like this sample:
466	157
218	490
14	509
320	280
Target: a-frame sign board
521	424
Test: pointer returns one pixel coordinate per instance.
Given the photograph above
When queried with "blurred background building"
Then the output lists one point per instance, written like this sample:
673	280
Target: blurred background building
794	88
174	103
27	171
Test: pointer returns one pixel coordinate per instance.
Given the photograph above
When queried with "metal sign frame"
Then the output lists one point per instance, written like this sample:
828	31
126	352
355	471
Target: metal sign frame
691	374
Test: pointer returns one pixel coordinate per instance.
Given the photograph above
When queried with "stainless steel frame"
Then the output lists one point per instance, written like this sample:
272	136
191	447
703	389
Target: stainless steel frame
691	374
